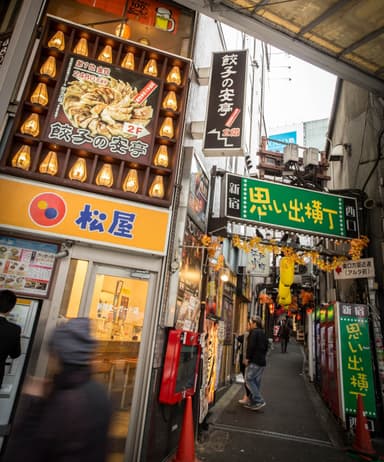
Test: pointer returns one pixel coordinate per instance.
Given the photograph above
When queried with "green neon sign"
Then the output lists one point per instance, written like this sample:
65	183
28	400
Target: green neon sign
356	358
287	207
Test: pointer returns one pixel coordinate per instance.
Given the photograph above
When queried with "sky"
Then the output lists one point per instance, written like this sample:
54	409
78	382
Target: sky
296	91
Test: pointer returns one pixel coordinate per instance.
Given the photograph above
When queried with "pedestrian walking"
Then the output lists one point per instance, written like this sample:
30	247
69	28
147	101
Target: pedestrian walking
66	419
9	332
284	334
243	340
257	349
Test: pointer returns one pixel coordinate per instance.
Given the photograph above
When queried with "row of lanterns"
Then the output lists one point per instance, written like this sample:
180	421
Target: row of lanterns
78	172
128	62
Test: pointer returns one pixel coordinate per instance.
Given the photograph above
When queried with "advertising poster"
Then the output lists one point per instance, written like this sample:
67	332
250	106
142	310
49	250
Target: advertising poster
188	298
198	194
356	358
104	109
26	267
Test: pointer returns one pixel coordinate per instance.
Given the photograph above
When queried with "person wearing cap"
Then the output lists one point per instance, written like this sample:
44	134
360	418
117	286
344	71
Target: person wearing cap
69	419
9	332
257	349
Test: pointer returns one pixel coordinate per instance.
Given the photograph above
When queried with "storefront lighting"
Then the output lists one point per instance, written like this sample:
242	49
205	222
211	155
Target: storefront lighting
161	156
78	171
129	61
157	187
131	181
144	41
224	276
40	94
81	47
31	125
57	41
271	308
105	176
123	30
151	68
174	75
22	158
106	54
49	67
166	129
50	164
170	101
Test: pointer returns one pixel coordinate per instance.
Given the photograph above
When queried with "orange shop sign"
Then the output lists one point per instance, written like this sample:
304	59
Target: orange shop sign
86	217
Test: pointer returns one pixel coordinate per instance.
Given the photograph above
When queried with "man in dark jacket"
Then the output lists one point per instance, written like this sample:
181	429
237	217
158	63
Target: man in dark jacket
255	360
71	422
9	332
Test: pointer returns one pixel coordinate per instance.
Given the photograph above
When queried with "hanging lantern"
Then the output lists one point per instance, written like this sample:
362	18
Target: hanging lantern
105	176
166	129
106	54
57	41
309	310
170	101
161	156
157	187
271	308
129	61
40	94
79	170
22	158
50	164
123	30
131	181
81	47
31	125
151	68
49	67
174	75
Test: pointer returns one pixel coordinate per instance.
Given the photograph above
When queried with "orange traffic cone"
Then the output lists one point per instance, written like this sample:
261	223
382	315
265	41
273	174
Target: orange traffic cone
186	450
362	443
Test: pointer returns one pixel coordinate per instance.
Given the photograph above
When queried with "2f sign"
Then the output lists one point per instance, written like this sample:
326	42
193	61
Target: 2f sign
363	268
137	131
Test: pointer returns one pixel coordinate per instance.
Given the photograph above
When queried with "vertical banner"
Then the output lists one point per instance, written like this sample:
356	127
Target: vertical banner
355	359
226	105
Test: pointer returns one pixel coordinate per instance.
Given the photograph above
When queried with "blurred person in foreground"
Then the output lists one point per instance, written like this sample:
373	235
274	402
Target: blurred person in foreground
9	332
257	349
243	340
68	418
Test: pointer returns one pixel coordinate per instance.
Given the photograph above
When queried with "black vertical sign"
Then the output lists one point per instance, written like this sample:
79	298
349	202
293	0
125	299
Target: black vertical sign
224	126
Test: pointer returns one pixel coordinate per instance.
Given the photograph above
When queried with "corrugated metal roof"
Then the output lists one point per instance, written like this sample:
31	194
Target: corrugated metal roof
345	37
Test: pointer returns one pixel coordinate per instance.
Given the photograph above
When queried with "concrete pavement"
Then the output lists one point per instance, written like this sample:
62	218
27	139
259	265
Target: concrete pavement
295	425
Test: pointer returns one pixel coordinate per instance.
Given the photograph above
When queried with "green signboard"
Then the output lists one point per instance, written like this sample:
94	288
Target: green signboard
290	208
355	358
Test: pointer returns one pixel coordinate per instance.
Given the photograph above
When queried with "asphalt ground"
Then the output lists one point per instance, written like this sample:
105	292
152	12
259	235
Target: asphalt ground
295	425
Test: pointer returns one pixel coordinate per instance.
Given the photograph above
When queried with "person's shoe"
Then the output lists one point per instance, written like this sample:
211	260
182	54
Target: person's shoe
255	407
244	401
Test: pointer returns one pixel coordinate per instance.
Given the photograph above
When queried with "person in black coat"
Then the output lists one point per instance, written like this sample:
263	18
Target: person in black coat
68	419
9	332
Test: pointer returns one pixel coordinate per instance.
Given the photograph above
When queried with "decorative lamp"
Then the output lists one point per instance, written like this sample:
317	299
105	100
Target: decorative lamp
170	101
22	158
131	181
157	187
57	41
123	30
271	308
78	170
166	129
50	164
151	68
144	41
174	76
49	67
105	176
129	61
40	94
224	276
106	54
31	125
81	47
161	156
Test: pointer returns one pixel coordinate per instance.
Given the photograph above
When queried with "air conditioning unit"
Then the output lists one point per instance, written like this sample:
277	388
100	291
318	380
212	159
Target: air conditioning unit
291	153
303	274
311	156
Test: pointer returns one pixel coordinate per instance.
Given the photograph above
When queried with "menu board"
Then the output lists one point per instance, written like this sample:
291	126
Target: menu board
26	266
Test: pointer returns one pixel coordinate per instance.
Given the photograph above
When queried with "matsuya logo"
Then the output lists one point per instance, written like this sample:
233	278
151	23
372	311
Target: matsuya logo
47	209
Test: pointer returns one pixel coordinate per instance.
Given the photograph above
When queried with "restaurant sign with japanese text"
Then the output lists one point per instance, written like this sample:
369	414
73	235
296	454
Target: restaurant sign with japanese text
354	269
355	359
224	123
287	207
104	109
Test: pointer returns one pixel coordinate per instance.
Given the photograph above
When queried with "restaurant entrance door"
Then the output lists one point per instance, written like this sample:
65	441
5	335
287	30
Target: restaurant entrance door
119	301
